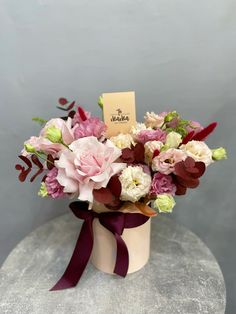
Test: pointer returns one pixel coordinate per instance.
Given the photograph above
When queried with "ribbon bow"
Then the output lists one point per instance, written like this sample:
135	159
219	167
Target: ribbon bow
115	222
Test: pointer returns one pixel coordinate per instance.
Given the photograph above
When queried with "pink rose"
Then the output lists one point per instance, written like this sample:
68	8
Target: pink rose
162	184
151	135
165	161
89	166
90	127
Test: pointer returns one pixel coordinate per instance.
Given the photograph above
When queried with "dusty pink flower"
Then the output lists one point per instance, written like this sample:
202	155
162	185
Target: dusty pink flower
77	117
165	161
42	144
162	184
54	189
194	126
151	135
89	165
64	126
90	127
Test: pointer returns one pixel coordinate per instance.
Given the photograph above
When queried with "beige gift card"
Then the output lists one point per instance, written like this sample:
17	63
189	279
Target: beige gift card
119	112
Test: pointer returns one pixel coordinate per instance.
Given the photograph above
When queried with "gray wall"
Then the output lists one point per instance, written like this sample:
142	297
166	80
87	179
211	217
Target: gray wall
174	54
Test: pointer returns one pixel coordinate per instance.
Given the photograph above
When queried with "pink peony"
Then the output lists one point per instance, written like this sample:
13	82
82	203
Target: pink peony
90	127
151	135
89	166
54	189
165	161
162	184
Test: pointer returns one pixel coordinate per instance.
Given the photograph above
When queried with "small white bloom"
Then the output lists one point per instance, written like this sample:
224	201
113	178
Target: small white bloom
173	139
153	120
138	128
199	151
150	147
122	140
135	183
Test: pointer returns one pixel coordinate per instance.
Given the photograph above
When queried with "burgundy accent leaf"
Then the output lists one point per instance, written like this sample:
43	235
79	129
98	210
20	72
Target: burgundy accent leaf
115	186
36	161
155	153
114	205
61	108
189	162
71	114
24	173
201	168
82	113
188	137
36	174
203	134
62	101
26	160
50	162
103	196
44	178
71	106
139	153
181	190
191	183
127	155
18	167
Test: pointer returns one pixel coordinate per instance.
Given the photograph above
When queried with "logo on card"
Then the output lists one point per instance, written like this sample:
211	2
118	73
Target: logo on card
119	116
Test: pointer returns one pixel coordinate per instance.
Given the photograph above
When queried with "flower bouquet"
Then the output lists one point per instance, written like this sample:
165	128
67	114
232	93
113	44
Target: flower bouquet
119	182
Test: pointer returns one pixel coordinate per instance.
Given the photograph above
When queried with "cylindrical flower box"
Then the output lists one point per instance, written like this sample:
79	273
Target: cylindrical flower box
104	251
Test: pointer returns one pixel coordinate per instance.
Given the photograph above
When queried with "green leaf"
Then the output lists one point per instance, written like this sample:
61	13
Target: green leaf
39	120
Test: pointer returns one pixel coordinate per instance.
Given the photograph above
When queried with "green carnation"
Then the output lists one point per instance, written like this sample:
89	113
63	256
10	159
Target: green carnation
164	203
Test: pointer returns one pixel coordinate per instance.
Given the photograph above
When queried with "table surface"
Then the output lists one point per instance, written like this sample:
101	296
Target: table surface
182	275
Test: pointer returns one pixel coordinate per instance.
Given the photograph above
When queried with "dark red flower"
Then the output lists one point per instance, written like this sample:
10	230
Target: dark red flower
187	174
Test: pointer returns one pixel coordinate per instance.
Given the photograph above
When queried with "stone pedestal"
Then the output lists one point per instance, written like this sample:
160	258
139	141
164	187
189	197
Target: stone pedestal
182	275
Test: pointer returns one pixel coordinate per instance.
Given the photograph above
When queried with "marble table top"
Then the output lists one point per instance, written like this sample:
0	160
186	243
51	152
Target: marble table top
182	275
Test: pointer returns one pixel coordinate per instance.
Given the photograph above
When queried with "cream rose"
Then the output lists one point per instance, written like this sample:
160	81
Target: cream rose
199	151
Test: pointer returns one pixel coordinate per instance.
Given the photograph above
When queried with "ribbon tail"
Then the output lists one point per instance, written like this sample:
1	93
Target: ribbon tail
122	257
79	258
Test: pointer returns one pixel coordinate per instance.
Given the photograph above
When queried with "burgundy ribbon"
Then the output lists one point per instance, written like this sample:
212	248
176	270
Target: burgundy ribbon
115	222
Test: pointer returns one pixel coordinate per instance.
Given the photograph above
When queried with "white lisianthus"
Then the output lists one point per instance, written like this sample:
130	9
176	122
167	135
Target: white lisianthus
138	128
150	147
199	151
122	140
173	139
153	120
135	183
